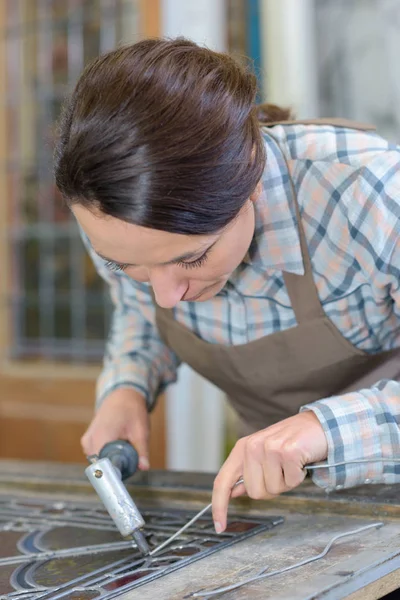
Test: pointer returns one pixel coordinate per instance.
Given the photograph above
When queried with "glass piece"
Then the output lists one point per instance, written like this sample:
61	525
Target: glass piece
29	252
62	320
6	572
240	526
71	537
125	579
62	268
95	321
59	571
209	543
8	543
188	551
31	320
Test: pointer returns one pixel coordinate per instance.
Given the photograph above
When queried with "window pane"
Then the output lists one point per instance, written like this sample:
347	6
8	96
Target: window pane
60	307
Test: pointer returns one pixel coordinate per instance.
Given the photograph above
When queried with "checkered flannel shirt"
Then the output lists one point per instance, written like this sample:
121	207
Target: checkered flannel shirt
348	188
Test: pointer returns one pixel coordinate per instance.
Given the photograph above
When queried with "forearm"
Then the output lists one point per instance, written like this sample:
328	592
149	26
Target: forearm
135	358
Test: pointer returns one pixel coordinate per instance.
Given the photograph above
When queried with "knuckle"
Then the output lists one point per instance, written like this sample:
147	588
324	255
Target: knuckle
240	444
290	447
253	445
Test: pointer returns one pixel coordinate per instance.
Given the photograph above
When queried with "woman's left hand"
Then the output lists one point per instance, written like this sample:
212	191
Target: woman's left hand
270	462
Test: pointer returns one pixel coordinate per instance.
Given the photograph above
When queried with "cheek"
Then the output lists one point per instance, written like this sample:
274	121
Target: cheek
233	253
224	262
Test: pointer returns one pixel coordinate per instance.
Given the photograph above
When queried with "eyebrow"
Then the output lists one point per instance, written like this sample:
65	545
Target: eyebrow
181	258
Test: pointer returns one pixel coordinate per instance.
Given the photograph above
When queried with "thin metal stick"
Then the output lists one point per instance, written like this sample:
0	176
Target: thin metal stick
381	459
181	530
306	561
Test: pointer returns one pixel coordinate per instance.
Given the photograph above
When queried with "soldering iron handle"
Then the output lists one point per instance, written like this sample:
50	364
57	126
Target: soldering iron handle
123	456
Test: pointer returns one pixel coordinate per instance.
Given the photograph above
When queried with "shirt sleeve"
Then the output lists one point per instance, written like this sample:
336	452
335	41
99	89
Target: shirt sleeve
135	355
366	424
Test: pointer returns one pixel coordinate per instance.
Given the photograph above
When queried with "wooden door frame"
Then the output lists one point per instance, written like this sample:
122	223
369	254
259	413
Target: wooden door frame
22	382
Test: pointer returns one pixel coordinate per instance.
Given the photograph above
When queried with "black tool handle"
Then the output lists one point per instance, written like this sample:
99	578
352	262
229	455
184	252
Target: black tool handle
123	456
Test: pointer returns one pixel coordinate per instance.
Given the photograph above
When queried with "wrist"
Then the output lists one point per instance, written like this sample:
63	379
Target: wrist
125	396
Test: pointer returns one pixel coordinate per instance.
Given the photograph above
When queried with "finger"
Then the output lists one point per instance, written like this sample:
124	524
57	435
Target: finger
230	472
273	474
87	444
92	443
139	438
238	490
294	475
253	475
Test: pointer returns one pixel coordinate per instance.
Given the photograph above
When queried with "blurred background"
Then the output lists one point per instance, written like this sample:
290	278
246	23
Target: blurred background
332	58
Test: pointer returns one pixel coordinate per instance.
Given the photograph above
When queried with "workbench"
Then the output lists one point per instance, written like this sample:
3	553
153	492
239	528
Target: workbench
366	566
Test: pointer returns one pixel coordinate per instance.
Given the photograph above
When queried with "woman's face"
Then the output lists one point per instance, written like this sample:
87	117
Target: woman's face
178	267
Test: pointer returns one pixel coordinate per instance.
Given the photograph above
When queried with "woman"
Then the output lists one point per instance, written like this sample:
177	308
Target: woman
266	257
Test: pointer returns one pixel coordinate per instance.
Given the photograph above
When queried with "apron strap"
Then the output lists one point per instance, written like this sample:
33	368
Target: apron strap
302	289
333	122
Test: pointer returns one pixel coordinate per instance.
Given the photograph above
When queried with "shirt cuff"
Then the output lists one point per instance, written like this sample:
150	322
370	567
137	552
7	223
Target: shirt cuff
135	375
352	432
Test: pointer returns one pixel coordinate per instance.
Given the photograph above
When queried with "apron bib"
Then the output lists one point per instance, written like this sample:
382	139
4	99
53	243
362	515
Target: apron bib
270	378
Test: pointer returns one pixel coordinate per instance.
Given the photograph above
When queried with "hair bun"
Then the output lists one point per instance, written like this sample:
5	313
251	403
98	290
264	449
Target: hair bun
270	113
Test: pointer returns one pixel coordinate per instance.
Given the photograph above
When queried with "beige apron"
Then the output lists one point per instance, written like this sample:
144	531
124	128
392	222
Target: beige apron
270	378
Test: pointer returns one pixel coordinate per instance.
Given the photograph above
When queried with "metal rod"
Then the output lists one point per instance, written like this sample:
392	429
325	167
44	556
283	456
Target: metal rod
181	530
306	561
381	459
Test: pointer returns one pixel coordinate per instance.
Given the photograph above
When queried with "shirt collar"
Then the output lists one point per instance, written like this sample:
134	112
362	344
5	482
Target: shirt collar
276	242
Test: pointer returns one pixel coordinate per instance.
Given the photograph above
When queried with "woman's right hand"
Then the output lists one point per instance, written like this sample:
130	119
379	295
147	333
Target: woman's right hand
122	416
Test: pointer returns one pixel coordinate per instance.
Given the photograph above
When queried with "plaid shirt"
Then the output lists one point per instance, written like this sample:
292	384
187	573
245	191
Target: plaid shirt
348	189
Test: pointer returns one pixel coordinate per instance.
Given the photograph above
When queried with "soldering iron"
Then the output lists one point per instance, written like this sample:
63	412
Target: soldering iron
116	462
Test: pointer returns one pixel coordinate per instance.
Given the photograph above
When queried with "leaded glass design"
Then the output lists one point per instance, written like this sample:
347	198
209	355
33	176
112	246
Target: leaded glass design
59	307
51	550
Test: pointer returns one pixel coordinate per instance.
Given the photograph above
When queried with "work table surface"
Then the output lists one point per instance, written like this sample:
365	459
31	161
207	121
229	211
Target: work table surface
364	566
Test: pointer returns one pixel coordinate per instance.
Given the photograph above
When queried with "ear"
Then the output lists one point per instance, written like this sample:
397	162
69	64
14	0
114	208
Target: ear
257	192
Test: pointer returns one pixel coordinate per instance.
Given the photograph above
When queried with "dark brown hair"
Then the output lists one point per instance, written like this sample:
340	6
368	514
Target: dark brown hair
163	134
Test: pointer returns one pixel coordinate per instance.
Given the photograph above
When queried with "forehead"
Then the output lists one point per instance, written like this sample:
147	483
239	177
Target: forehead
128	243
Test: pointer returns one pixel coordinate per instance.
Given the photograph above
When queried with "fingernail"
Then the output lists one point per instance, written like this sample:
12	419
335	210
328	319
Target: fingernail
144	463
218	527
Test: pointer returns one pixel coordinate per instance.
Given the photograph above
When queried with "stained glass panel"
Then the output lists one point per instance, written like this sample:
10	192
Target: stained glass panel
52	550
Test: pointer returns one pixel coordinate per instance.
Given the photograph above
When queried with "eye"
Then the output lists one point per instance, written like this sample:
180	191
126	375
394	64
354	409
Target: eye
195	263
115	266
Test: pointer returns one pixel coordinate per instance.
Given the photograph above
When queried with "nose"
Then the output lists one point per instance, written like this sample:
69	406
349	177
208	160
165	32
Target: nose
168	288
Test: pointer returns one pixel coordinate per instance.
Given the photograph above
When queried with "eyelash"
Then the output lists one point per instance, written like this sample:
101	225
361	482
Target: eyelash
115	267
195	263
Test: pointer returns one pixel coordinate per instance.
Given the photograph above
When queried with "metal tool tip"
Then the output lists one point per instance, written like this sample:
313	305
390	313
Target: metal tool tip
141	542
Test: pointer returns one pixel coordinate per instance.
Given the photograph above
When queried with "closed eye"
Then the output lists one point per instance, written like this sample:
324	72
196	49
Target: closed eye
115	267
195	263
